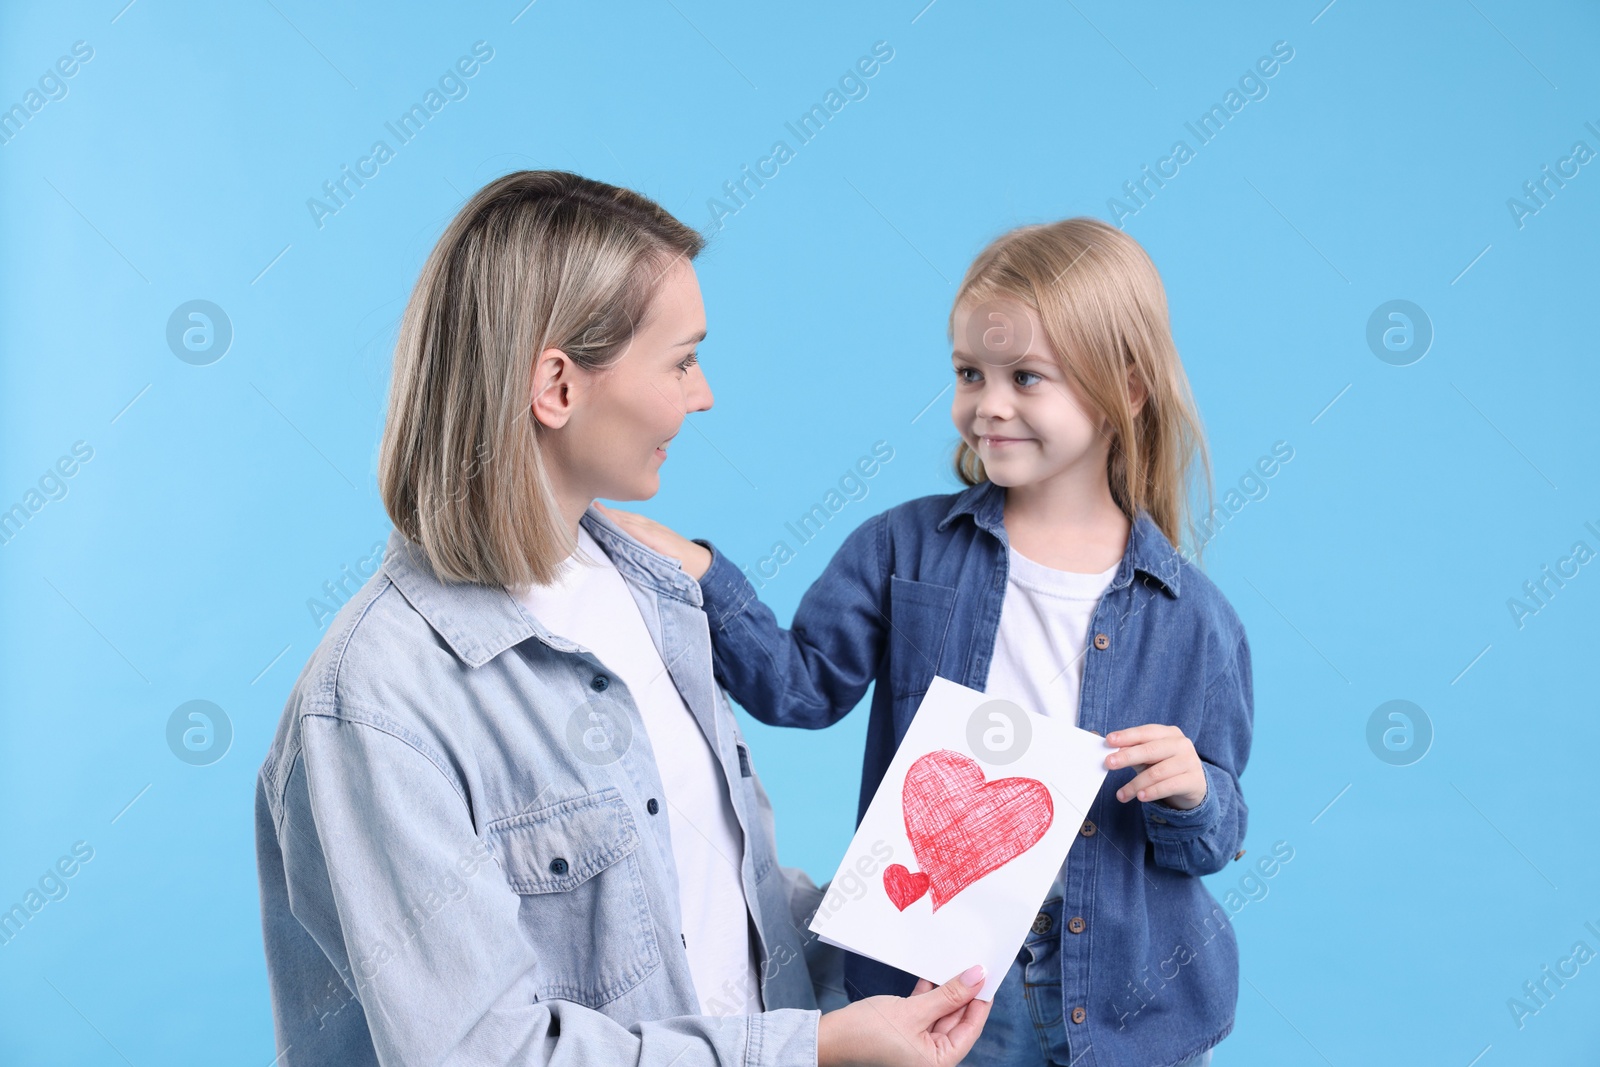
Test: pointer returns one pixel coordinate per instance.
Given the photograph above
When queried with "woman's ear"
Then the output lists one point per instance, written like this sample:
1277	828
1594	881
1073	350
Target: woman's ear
554	388
1137	393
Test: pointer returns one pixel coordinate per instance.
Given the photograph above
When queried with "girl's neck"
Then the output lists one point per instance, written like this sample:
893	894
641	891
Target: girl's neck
1069	528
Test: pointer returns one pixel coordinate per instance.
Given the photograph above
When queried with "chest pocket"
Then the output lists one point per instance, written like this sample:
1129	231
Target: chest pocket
920	613
583	905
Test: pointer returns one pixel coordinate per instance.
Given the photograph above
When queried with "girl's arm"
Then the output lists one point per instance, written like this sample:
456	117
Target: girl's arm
1204	838
812	674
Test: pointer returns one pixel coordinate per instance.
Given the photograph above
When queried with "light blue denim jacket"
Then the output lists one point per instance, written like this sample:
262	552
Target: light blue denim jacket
463	846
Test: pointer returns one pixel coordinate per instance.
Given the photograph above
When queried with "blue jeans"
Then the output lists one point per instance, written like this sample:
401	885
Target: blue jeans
1026	1026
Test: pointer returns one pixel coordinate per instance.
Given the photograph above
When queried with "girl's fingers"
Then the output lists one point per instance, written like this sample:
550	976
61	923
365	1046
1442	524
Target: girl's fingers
1158	790
1134	735
1156	782
1145	755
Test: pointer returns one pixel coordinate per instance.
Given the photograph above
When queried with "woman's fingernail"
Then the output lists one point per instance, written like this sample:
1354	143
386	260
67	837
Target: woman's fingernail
973	976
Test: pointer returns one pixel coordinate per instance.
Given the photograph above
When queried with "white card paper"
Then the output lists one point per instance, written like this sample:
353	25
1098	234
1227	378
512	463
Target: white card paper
949	869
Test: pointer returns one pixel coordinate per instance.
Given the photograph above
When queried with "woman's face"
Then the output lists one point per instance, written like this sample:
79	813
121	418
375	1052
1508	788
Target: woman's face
621	419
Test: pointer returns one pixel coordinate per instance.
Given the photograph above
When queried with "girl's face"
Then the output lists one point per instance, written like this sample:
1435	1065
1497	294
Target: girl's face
615	436
1013	405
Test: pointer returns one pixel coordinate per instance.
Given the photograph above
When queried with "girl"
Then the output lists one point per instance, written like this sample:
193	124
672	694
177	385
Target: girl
1053	581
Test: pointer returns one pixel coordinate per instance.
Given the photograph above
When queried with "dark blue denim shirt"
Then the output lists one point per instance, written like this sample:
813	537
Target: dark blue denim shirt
1151	975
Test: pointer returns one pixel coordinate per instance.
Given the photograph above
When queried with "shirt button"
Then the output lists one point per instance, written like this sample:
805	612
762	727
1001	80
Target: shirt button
1075	924
558	866
599	683
1087	829
1102	642
1042	923
1078	1015
652	807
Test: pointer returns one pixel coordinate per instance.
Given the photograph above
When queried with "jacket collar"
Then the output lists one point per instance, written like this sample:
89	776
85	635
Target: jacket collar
1148	552
481	621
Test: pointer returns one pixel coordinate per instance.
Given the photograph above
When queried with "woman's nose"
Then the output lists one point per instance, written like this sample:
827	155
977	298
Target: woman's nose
699	396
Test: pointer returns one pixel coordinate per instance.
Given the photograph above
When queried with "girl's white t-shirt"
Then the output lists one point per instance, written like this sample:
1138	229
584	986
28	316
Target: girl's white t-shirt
590	604
1044	631
1043	634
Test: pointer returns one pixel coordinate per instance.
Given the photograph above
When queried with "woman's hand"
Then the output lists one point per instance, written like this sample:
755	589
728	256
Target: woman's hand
1171	770
695	559
933	1027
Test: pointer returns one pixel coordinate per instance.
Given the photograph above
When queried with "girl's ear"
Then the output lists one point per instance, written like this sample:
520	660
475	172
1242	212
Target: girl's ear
555	388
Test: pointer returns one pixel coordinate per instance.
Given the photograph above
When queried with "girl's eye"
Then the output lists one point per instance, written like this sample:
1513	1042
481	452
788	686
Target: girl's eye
1021	374
962	372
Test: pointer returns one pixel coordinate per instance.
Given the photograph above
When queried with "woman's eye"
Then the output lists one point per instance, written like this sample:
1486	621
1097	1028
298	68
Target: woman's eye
690	360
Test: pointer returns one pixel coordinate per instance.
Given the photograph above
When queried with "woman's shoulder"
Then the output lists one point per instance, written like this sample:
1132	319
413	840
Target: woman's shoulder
380	665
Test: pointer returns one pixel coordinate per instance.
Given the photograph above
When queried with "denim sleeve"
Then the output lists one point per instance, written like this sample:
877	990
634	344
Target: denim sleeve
812	674
384	869
1203	839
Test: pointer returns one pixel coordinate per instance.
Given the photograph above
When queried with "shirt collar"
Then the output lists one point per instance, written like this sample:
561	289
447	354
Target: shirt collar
481	621
1148	552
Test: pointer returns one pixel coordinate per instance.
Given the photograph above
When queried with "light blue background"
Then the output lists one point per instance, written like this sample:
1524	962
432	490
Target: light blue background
1379	566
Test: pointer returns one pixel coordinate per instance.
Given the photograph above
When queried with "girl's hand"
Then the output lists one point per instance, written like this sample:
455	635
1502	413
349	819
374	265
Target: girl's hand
1170	767
695	559
933	1027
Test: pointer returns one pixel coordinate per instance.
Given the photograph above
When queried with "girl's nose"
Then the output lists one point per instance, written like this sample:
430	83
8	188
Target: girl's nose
993	404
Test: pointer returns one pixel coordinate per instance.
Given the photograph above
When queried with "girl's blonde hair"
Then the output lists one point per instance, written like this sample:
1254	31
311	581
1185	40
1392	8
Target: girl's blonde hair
536	259
1100	301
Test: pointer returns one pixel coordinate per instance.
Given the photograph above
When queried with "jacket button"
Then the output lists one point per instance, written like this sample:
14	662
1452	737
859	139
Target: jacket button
1075	924
1088	828
599	683
1078	1015
1102	642
558	866
1042	923
651	806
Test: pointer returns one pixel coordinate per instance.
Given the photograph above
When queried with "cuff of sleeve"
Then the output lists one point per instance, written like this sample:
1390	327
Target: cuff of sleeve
1174	825
782	1036
723	587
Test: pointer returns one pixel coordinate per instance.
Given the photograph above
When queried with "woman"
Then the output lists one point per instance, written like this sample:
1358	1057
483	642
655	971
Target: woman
508	816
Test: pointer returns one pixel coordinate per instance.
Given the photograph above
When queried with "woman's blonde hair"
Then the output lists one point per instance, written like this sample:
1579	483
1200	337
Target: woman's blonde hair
1100	301
536	259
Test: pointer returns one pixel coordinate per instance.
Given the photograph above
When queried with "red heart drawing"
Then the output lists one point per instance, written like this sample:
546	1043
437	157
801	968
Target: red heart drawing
962	827
902	886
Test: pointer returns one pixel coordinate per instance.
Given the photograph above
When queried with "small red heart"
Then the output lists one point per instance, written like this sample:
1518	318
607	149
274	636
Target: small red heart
903	887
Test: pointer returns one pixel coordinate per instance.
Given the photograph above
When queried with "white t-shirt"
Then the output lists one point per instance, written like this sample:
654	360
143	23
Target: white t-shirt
1043	634
1044	630
591	605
